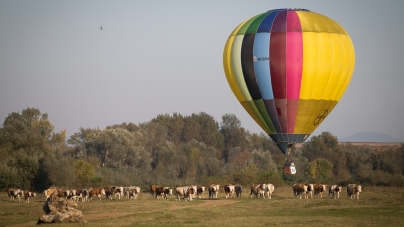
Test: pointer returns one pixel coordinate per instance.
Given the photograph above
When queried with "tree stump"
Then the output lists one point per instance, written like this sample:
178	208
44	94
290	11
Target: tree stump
60	210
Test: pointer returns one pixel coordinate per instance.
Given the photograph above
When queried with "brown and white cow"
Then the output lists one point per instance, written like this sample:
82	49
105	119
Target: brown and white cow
268	190
200	191
153	190
239	189
229	190
96	192
335	190
10	193
256	191
63	193
76	195
16	193
48	192
189	193
163	192
353	190
299	190
180	192
136	191
213	191
310	190
28	195
118	192
319	189
85	195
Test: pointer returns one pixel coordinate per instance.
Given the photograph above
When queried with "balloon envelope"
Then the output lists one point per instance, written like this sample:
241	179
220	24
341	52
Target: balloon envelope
289	68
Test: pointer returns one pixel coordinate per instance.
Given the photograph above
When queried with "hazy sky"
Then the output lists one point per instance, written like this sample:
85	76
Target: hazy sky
155	57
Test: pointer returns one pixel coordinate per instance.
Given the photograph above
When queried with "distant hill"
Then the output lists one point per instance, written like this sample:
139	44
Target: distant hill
368	137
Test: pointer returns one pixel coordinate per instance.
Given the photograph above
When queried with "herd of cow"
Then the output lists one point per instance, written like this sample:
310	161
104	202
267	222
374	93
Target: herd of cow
15	193
188	192
334	191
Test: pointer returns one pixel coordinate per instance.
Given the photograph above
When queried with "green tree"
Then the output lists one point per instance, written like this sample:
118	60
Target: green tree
192	128
234	135
320	170
83	172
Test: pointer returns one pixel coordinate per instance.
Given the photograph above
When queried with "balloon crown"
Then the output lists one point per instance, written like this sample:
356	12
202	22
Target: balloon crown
289	9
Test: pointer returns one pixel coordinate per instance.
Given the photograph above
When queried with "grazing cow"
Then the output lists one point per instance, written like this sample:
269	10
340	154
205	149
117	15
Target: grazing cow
108	192
136	191
85	195
159	192
299	190
17	193
48	192
96	192
28	195
76	195
213	191
239	189
310	190
10	193
63	193
118	191
195	190
256	190
167	191
180	192
268	190
353	190
319	189
200	191
163	191
153	190
189	193
335	190
229	190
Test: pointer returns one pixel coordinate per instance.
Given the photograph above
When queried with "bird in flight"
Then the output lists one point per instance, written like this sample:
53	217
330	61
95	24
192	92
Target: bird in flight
101	28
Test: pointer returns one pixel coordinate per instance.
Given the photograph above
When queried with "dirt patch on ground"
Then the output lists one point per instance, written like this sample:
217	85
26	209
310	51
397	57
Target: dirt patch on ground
206	203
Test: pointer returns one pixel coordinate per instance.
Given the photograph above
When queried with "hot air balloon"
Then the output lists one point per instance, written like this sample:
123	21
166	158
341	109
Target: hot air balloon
289	68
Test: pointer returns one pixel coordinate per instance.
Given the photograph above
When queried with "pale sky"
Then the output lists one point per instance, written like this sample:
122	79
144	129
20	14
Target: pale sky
160	57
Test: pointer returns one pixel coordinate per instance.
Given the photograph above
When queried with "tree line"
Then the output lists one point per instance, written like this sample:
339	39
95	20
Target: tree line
178	150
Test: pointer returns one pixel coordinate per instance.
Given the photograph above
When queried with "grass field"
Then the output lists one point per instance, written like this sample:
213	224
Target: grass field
376	207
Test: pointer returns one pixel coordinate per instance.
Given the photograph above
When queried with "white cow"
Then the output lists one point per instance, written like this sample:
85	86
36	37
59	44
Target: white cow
268	190
353	190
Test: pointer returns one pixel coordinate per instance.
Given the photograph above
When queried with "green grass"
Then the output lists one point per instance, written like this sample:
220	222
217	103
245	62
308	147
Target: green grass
376	207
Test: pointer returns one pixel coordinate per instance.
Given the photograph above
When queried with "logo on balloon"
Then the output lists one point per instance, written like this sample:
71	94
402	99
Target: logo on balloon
255	58
320	117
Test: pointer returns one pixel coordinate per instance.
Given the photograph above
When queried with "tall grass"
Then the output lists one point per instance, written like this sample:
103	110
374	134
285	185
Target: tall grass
376	207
